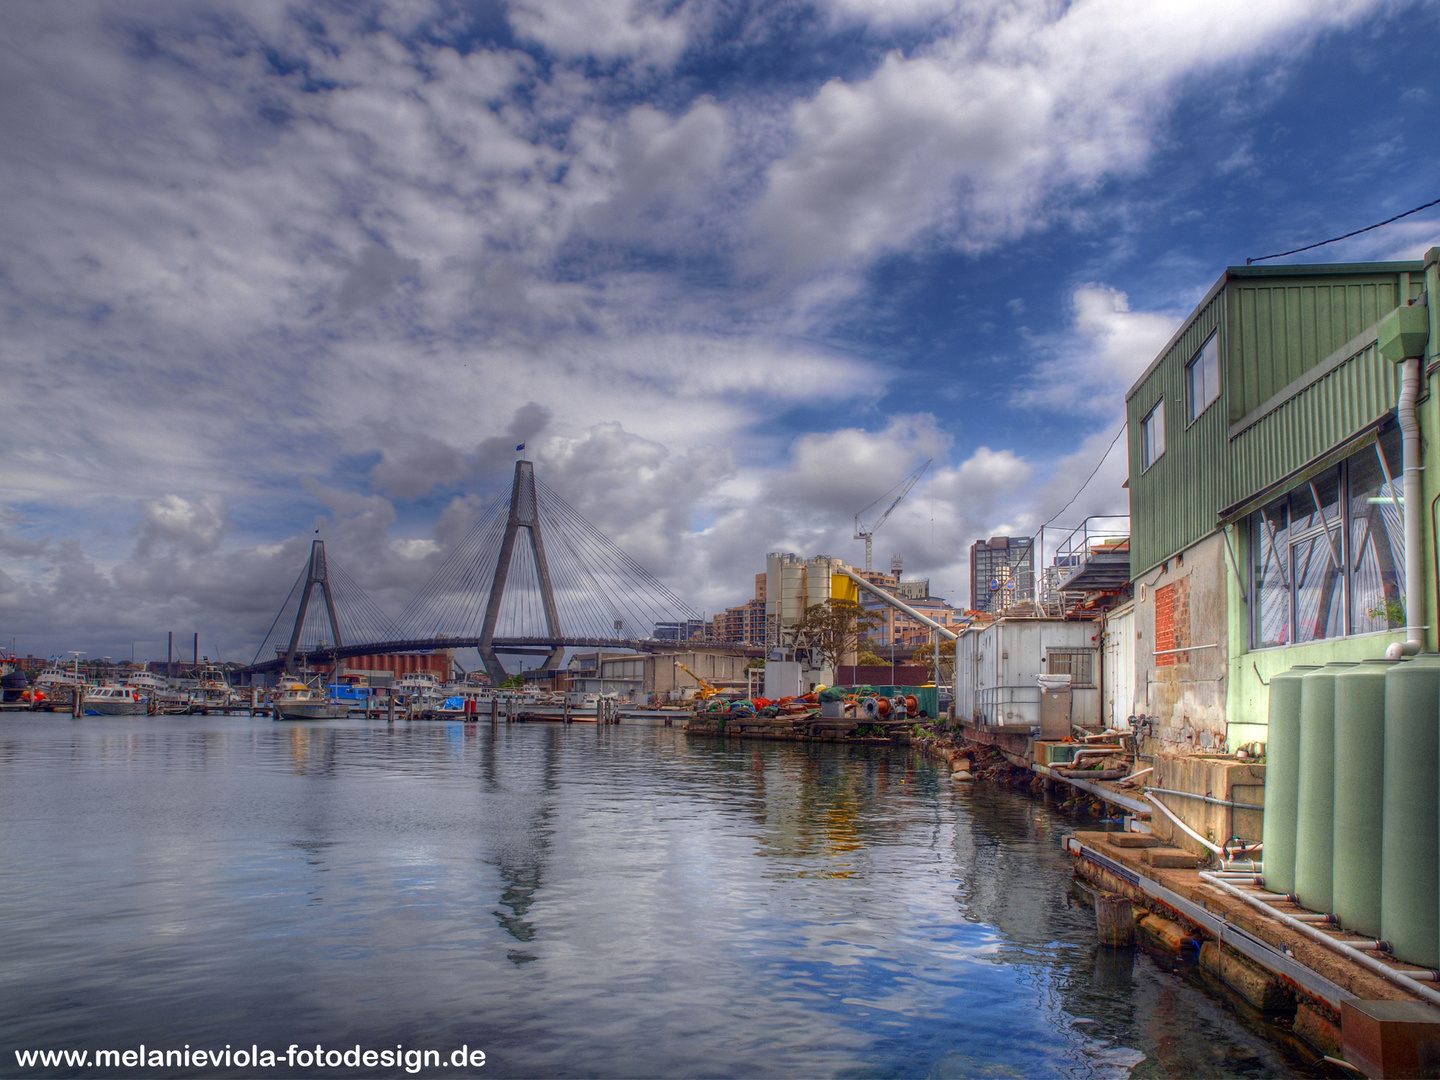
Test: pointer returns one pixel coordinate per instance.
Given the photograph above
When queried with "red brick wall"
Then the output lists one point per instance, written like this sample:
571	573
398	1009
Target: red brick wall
1172	623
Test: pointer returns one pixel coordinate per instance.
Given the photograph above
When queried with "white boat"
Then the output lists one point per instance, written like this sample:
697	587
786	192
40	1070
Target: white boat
147	682
418	689
113	699
55	687
152	686
295	700
212	692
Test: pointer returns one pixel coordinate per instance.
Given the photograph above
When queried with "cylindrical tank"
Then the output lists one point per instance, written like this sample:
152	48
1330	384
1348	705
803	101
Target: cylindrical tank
1359	798
1410	849
1282	779
1315	793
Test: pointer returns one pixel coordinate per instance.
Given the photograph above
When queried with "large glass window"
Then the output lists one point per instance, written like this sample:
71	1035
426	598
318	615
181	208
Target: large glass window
1377	542
1316	560
1152	435
1328	558
1270	594
1203	376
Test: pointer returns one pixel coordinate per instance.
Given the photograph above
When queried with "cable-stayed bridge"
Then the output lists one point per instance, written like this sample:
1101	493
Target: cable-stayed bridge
532	577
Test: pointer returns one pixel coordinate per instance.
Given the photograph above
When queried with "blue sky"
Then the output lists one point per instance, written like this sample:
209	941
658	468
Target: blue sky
730	270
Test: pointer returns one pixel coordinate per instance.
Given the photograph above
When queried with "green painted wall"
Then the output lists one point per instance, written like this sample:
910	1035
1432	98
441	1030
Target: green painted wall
1277	325
1247	697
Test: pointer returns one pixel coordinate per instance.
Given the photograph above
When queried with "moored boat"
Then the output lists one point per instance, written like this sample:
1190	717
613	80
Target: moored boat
296	700
113	699
212	692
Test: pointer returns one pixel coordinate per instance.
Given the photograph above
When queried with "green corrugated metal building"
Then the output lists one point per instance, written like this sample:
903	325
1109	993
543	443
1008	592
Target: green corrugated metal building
1264	428
1299	375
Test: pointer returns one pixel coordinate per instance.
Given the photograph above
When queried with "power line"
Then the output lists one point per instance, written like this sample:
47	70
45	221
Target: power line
1357	232
1092	473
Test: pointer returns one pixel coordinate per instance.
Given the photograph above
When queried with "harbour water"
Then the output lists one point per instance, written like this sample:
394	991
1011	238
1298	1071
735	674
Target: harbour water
572	900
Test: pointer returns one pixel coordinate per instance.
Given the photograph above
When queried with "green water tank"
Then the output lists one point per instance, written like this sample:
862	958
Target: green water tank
1410	850
1359	799
1282	778
1315	792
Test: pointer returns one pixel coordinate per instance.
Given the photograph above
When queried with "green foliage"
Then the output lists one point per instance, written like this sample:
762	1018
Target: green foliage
835	628
514	682
1390	610
869	659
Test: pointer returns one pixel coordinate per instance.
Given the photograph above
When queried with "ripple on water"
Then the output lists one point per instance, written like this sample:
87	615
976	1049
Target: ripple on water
617	901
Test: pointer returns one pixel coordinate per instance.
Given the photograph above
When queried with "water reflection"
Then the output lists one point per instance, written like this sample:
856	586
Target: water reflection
612	901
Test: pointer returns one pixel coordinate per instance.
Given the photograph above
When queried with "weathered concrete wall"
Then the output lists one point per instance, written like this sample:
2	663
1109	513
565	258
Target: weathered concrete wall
1221	777
1183	693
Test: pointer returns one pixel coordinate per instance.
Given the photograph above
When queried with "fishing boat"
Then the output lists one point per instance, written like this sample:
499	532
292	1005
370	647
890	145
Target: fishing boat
212	692
418	691
54	687
112	699
296	700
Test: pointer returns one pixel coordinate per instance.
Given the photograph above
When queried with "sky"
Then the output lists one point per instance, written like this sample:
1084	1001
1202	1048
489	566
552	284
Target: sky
729	270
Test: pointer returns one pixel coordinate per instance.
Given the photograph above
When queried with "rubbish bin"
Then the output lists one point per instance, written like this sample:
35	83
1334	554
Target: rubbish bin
1054	706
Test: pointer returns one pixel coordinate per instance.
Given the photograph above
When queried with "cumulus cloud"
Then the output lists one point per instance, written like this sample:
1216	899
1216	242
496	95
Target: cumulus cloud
380	248
980	135
1100	354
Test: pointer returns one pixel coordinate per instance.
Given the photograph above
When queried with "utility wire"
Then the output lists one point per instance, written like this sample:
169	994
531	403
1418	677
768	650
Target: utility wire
1333	239
1090	477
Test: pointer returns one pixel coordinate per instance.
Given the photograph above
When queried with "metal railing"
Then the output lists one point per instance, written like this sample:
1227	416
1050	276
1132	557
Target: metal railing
1009	706
1094	534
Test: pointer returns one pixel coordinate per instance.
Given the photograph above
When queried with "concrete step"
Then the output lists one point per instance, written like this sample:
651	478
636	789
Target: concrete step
1133	840
1170	859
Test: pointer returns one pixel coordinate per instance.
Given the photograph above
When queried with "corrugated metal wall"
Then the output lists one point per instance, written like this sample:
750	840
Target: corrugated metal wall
1321	416
1281	329
1173	503
1276	327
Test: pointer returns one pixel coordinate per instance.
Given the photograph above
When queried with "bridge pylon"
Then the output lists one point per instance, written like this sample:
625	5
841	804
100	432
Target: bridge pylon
524	514
317	574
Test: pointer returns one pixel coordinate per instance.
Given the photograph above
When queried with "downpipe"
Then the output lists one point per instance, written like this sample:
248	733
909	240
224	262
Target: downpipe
1410	443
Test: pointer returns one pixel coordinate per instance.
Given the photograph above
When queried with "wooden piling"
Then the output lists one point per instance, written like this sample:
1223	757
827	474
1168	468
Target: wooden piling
1114	920
390	702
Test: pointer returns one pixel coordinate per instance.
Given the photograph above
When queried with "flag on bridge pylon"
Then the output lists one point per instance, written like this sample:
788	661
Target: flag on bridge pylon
520	447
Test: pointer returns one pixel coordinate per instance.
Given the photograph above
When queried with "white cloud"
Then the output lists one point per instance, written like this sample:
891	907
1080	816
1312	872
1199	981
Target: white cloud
1099	356
979	137
604	28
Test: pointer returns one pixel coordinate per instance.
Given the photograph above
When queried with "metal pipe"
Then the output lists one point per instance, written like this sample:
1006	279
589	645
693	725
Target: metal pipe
944	631
1410	442
1142	772
1397	977
1208	798
1188	831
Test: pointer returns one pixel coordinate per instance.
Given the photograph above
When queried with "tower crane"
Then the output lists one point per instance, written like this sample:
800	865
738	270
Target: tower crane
863	532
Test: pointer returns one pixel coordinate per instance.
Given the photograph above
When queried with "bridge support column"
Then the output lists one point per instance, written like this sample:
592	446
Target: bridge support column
524	514
316	574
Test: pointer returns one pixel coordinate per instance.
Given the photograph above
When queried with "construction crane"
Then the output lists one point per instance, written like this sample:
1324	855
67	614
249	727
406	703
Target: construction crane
707	690
863	532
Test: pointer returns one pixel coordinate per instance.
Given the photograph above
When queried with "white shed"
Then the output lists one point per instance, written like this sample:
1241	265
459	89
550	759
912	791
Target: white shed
997	669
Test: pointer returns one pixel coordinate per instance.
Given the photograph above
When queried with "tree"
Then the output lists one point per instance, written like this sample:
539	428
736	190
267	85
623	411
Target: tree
925	654
870	659
834	628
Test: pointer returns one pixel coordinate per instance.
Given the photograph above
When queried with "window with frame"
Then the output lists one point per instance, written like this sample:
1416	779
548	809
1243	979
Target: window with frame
1328	557
1152	435
1202	376
1079	664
